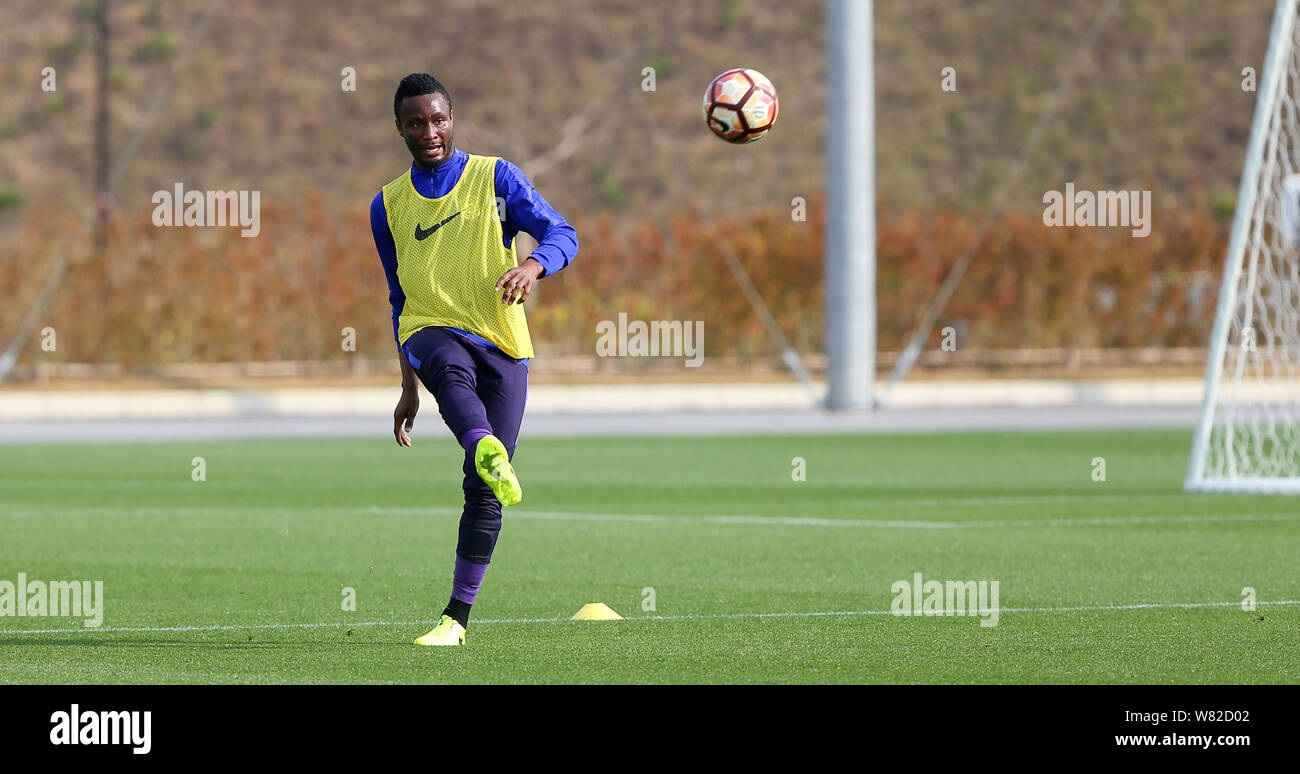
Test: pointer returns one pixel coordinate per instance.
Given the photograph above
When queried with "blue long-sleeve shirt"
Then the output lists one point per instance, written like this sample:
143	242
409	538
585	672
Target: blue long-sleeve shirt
525	210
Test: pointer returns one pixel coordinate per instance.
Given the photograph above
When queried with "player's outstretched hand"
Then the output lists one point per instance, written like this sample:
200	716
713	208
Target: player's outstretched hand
518	282
404	416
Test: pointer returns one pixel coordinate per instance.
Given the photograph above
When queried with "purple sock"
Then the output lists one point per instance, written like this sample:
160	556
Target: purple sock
471	438
466	579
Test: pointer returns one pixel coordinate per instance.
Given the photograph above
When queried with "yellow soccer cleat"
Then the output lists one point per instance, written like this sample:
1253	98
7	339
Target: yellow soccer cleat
493	465
447	632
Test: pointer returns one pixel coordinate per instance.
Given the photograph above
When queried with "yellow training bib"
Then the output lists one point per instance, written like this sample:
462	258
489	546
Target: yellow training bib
450	255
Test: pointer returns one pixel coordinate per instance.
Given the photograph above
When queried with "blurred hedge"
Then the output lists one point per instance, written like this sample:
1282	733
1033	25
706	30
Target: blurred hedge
186	294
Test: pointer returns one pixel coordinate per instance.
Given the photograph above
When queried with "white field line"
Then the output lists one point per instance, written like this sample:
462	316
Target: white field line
646	518
699	617
899	523
863	504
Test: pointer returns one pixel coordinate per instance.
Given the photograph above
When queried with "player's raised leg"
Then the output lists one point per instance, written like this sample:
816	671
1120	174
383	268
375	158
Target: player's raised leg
448	366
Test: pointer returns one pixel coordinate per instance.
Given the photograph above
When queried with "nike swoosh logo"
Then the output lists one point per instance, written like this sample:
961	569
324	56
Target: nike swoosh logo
423	234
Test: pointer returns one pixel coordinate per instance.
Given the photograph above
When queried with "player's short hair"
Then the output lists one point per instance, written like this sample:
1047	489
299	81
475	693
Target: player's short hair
416	85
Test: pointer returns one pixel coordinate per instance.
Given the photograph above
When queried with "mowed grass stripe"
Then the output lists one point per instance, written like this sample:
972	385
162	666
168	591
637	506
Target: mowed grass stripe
634	618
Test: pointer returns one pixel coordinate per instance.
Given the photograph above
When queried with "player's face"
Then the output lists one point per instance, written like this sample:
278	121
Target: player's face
425	124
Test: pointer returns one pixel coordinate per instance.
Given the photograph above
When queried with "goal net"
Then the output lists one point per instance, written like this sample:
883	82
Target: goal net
1248	437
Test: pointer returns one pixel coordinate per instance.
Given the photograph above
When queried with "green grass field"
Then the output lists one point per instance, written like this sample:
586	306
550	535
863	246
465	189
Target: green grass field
756	577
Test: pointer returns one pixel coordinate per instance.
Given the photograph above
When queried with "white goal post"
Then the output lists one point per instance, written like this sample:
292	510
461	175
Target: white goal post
1248	437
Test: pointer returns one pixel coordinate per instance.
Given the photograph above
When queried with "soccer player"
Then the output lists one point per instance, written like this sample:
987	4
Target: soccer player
445	232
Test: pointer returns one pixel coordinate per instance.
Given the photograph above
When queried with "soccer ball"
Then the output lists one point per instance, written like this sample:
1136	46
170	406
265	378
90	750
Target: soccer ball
740	105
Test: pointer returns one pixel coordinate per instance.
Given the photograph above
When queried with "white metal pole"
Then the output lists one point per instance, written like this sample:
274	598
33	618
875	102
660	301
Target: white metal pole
851	215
